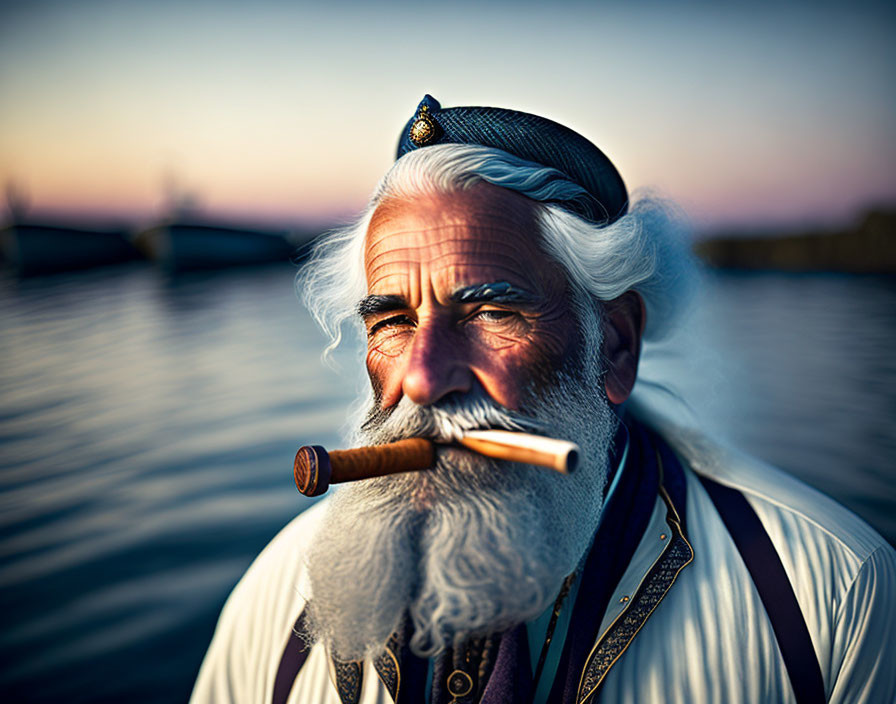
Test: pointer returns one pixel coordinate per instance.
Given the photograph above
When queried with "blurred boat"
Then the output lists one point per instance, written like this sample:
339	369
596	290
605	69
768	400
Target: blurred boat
32	248
183	246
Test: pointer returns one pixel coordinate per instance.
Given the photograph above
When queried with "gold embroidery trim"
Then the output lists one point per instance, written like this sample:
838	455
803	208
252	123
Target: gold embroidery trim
674	521
388	651
337	674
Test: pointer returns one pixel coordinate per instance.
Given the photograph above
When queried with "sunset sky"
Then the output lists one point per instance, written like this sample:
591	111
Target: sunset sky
766	115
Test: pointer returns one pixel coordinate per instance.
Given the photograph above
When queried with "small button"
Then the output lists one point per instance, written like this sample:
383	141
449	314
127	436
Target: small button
662	536
623	600
460	684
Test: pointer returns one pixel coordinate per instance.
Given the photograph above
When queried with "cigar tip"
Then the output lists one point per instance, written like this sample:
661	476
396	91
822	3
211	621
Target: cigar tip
311	470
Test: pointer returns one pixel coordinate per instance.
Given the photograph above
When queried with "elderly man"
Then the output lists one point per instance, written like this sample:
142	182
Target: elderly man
503	282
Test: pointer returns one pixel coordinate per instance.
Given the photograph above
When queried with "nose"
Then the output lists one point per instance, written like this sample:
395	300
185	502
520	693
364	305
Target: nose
437	366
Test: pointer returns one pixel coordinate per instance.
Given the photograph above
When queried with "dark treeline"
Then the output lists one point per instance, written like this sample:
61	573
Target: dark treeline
867	248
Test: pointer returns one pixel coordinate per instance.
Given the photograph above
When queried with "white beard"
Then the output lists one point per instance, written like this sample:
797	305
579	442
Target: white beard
472	546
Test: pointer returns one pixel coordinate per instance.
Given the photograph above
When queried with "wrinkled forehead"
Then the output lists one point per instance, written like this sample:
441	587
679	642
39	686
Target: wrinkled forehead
457	239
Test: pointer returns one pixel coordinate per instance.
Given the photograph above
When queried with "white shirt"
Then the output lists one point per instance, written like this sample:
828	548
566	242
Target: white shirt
707	640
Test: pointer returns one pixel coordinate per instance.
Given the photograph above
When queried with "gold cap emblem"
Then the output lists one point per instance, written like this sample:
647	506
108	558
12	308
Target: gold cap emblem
423	128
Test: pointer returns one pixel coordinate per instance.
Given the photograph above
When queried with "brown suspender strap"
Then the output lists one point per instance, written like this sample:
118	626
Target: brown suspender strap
294	655
775	590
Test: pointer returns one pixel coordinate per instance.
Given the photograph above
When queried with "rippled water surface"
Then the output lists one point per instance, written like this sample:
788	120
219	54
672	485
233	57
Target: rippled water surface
147	428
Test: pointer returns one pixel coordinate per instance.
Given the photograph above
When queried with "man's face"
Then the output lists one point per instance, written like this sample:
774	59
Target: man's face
469	325
459	294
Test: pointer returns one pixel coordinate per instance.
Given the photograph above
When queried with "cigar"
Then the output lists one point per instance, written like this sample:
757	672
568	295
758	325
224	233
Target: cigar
315	468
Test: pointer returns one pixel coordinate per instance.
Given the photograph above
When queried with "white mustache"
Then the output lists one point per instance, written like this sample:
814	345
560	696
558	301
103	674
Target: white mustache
446	422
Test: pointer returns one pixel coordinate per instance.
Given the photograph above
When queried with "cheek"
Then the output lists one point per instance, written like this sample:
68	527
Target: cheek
512	371
385	352
382	370
389	343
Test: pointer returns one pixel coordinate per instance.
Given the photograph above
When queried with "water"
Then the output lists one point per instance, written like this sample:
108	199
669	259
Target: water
147	428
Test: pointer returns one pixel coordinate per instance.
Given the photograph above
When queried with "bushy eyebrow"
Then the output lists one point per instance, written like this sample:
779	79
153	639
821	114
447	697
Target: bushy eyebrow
494	292
372	305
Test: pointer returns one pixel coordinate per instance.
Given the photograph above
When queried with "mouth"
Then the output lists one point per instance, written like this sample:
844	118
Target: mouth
453	451
452	437
524	448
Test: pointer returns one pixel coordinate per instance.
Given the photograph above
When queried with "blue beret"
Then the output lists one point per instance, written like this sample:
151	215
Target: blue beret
529	137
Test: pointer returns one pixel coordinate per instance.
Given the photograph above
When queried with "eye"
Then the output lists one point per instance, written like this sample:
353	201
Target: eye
493	315
496	328
393	321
